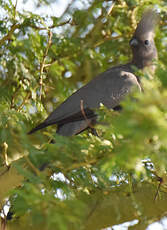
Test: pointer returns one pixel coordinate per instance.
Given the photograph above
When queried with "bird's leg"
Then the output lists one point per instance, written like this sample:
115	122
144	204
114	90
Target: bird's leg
94	132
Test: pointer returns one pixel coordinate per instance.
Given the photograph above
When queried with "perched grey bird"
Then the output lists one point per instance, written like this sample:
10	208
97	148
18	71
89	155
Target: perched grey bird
76	113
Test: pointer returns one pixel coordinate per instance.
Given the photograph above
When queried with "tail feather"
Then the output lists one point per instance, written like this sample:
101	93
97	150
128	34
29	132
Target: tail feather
71	125
40	126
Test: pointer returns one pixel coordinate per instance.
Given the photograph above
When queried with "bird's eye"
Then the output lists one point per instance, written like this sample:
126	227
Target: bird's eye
146	42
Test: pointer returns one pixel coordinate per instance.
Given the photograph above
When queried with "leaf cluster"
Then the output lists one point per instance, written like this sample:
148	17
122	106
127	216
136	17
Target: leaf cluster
45	59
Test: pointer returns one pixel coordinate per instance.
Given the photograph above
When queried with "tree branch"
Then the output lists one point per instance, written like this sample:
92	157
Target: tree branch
51	27
120	205
10	33
16	26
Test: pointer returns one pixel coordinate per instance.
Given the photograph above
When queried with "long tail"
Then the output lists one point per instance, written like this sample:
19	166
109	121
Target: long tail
40	126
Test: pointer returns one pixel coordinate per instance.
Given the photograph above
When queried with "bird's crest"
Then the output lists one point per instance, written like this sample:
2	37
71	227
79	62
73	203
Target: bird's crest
147	23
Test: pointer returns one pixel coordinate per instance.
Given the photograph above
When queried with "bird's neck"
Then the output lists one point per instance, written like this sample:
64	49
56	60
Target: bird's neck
147	62
146	66
141	64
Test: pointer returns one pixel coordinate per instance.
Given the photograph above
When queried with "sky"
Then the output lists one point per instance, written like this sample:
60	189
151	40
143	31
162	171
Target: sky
56	8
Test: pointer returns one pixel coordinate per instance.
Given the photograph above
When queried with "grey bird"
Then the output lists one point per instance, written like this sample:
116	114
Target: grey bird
76	113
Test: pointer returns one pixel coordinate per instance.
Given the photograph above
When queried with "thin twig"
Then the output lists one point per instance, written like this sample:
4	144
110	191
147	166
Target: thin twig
94	46
16	26
5	171
15	6
4	153
81	164
83	113
51	27
107	38
60	58
111	8
13	97
43	61
156	195
160	179
67	8
36	171
24	101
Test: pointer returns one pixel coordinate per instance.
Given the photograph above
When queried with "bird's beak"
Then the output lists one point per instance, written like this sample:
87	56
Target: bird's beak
133	42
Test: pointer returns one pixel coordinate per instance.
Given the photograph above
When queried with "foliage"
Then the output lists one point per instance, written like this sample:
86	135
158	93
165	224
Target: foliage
45	59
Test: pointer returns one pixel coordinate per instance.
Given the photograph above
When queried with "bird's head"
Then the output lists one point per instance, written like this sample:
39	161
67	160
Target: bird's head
142	43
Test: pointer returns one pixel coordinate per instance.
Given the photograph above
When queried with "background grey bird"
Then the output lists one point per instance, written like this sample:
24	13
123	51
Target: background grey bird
76	113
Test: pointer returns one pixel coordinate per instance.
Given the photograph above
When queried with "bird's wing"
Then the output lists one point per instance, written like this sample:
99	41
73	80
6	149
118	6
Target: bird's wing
108	88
